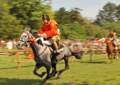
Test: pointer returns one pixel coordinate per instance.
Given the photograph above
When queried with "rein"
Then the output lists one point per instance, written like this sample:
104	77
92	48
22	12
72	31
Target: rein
30	38
43	51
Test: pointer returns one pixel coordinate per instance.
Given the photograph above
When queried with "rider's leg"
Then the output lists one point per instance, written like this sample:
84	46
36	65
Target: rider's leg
56	43
116	44
56	47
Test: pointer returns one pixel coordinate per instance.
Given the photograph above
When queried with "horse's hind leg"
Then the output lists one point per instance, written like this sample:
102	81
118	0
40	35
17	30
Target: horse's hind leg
66	67
35	71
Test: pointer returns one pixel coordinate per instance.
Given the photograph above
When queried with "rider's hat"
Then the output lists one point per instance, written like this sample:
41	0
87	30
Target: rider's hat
44	16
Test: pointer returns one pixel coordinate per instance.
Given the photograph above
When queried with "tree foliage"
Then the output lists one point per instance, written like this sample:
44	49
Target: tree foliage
95	30
29	12
9	26
118	12
62	16
72	31
16	14
107	14
114	25
68	17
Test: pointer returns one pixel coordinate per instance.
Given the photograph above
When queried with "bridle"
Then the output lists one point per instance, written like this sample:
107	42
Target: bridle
29	37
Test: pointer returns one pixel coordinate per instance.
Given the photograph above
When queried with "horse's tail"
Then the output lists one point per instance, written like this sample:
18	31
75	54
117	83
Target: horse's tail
77	53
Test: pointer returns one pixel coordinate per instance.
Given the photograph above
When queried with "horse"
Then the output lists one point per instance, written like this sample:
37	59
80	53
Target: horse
43	56
110	49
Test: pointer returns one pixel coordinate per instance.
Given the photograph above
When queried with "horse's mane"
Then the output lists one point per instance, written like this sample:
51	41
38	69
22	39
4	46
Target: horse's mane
35	34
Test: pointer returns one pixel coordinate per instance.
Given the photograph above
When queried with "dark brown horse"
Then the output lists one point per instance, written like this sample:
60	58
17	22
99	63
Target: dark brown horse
110	49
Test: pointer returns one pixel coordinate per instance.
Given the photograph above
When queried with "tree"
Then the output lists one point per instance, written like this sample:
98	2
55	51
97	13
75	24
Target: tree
107	14
29	12
95	30
66	17
9	25
113	25
76	16
118	12
62	16
72	31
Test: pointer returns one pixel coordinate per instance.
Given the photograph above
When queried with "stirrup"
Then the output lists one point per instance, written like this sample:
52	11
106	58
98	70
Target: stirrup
116	48
56	51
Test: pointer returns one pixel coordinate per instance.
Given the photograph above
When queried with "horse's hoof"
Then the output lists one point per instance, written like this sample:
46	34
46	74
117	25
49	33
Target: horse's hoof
44	81
43	73
58	76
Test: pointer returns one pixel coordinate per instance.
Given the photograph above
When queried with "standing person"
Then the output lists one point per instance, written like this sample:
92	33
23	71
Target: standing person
2	44
9	45
50	31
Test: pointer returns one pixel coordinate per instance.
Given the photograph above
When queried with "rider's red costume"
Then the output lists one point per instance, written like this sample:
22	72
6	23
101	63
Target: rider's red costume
50	29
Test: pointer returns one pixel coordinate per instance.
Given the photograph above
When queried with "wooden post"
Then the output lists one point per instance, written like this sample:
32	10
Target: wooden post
72	59
91	53
18	59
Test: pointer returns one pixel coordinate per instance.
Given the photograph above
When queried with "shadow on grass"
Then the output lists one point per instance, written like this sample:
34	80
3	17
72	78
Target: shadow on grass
17	67
93	62
14	81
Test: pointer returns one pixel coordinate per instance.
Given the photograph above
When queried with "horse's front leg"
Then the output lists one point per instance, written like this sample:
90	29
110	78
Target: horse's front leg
54	71
48	72
66	67
35	71
109	56
115	55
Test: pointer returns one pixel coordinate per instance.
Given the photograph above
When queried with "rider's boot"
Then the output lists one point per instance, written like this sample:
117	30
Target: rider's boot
56	48
116	48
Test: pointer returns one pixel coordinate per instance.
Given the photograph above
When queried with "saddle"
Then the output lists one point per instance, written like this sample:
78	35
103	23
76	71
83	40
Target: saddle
49	44
61	48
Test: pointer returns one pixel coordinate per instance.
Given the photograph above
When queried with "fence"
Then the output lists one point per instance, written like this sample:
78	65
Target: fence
27	52
17	53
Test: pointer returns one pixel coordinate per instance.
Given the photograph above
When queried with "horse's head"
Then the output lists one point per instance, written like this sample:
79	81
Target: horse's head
26	35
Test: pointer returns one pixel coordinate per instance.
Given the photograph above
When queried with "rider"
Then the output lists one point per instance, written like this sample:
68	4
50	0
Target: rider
113	37
50	31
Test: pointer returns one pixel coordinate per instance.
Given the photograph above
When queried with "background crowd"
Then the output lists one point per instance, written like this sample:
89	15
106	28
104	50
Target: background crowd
87	45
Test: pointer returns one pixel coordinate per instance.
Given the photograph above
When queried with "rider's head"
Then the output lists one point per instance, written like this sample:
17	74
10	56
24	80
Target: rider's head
45	18
111	31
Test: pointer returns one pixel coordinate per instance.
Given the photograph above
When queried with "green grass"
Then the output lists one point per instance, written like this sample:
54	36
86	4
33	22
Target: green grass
81	72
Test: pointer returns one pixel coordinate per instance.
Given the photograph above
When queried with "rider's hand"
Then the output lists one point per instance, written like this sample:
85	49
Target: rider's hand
42	35
39	34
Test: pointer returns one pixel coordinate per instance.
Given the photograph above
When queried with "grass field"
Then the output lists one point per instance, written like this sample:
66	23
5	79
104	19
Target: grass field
81	72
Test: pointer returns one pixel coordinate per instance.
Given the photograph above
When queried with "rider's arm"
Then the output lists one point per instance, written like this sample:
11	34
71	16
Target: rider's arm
42	30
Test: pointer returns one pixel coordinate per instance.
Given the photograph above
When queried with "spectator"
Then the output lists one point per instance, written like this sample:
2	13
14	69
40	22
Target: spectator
14	43
2	44
9	45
